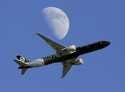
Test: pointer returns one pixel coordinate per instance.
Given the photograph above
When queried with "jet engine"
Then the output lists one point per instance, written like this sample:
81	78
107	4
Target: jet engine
70	49
79	61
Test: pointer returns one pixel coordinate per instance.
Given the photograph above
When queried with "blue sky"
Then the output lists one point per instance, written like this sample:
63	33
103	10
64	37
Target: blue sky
91	20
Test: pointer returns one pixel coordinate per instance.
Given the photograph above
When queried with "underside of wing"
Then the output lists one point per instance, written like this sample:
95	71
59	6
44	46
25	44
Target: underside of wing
66	68
53	44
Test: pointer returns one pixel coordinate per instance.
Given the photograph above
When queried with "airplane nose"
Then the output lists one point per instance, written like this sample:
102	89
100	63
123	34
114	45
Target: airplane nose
106	43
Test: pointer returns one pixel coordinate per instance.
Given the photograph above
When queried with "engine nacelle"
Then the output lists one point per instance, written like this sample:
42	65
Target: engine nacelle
68	50
71	48
79	61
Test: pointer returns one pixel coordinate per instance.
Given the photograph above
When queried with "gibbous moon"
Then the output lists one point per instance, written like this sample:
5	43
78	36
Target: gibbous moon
57	20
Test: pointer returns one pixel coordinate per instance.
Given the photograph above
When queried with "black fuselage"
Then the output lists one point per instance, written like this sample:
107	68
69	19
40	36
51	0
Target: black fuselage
79	51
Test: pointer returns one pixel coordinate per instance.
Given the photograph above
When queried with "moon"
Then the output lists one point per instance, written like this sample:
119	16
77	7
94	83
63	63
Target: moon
57	20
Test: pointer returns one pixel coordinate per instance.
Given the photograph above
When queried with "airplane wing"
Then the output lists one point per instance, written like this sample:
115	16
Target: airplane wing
53	44
67	66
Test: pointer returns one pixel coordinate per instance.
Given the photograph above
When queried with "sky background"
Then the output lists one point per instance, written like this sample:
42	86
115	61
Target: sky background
91	21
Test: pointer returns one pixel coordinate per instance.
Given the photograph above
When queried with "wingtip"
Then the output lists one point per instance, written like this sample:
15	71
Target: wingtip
62	77
38	33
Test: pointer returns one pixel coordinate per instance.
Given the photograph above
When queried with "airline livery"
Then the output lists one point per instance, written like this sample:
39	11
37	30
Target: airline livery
68	56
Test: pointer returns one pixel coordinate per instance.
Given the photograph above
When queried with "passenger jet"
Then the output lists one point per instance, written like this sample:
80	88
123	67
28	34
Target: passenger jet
67	56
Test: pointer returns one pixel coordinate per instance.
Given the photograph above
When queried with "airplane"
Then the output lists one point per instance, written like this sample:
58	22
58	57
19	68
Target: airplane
68	56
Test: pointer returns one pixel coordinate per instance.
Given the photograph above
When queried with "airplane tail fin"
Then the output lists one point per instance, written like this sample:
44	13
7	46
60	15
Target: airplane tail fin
22	62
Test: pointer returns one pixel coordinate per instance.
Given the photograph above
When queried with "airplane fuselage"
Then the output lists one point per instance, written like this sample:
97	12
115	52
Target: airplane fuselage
60	58
79	51
68	56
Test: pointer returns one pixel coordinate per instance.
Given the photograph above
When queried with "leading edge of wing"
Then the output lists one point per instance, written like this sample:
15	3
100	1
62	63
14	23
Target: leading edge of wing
53	44
66	68
67	65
